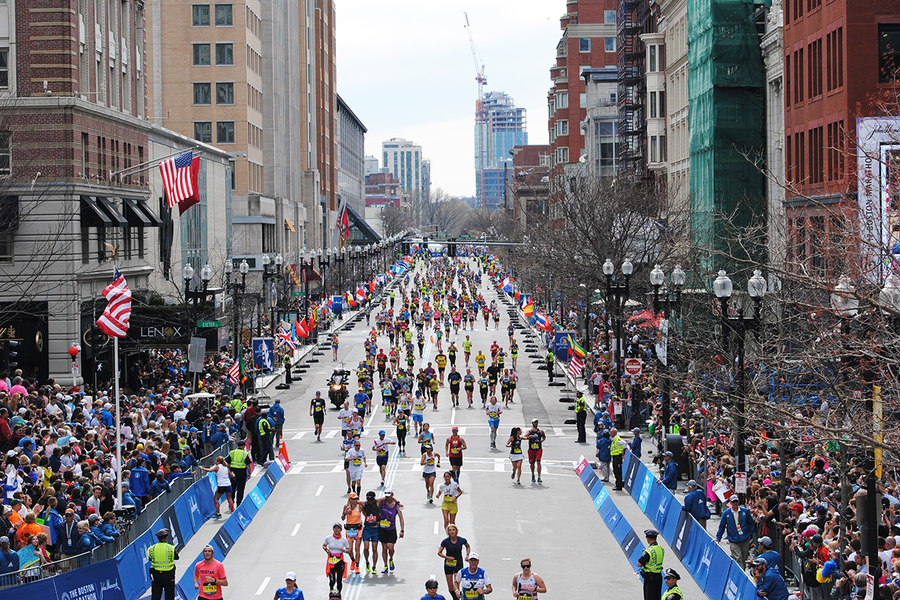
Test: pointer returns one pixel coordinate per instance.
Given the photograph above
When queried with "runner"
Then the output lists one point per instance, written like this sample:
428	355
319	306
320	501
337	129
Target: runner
431	587
450	491
290	591
401	422
371	511
223	484
484	385
451	353
441	360
479	362
493	411
317	410
467	349
347	446
418	411
381	449
335	546
469	385
334	348
453	379
209	576
453	448
344	416
473	583
358	463
426	438
387	533
536	438
430	463
352	514
527	585
451	550
514	443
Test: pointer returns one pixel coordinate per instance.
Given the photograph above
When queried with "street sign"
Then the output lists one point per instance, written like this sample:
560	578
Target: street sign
301	294
633	366
208	324
196	353
740	483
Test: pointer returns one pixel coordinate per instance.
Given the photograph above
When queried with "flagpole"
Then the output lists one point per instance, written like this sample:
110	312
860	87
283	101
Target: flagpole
118	422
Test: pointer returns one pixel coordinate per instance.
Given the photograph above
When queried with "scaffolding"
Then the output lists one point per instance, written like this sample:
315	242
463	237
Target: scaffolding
631	20
726	82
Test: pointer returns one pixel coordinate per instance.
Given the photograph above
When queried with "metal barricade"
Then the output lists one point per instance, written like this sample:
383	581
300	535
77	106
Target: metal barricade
36	573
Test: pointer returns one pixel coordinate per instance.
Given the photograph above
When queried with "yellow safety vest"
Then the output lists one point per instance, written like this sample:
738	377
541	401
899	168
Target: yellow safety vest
673	593
581	405
617	447
264	422
655	564
162	556
238	458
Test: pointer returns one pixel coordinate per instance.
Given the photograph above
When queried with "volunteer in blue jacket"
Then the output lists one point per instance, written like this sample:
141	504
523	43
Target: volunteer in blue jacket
739	524
670	472
769	583
772	558
695	503
276	415
635	444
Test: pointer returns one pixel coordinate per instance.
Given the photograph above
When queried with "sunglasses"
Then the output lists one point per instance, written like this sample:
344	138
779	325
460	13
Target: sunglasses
526	566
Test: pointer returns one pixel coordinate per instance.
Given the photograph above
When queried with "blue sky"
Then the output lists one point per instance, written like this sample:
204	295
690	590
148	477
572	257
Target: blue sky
405	68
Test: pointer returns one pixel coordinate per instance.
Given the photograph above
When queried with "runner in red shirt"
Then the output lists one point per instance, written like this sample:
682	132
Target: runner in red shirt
453	448
209	576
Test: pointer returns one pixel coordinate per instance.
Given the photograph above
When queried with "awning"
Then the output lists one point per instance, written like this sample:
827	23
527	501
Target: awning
92	215
290	225
117	219
368	234
138	214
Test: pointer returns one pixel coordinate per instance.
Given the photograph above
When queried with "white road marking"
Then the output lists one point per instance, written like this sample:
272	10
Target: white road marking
436	527
297	467
499	465
337	468
319	491
262	586
332	433
462	431
299	435
415	466
558	431
296	529
453	416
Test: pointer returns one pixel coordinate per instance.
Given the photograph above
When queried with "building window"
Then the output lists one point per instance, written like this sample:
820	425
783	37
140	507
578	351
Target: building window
582	100
5	154
653	105
225	132
202	93
203	131
224	54
224	16
268	237
888	52
224	93
662	148
201	15
653	148
562	127
562	100
562	155
201	55
584	44
609	16
652	50
661	63
610	44
662	104
4	68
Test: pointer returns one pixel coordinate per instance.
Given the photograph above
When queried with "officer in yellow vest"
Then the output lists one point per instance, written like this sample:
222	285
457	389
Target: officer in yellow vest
549	359
674	592
617	451
162	557
651	564
238	460
581	410
264	430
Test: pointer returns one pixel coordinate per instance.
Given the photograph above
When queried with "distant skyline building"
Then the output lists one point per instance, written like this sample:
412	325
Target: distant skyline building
503	128
371	165
351	157
403	159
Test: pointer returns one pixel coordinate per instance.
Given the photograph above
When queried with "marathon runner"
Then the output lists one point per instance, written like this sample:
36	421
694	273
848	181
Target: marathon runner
514	443
430	463
453	448
536	438
317	410
352	514
387	533
451	550
450	492
335	546
527	585
473	583
381	452
454	378
356	456
493	411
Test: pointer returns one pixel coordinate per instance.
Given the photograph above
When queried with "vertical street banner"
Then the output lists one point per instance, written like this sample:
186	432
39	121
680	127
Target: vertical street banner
264	354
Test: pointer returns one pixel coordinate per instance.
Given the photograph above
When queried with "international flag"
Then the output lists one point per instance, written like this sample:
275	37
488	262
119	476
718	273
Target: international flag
517	296
178	177
575	367
343	222
543	321
117	314
286	338
372	286
576	349
234	372
349	298
300	328
361	294
529	309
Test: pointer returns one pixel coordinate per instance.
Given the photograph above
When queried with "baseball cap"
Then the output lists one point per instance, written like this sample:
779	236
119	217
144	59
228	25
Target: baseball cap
734	498
338	525
388	492
370	495
765	541
692	483
4	540
455	429
353	495
534	421
760	561
669	454
473	556
797	506
290	575
381	432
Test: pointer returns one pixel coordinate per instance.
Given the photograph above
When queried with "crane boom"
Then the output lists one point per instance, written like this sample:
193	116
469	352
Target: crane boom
482	132
479	74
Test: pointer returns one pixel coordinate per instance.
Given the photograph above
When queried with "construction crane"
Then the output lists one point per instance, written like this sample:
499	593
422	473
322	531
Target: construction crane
482	131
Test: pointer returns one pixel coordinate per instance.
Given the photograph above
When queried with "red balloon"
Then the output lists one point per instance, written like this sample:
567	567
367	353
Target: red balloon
73	351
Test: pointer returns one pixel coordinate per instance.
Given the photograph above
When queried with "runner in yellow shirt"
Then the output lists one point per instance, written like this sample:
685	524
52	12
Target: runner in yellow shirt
441	360
467	349
479	360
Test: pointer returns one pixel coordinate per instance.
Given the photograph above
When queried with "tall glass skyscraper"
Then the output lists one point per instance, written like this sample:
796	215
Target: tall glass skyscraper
502	128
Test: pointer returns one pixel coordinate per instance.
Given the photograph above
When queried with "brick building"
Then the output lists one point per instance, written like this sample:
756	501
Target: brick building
382	189
836	59
530	183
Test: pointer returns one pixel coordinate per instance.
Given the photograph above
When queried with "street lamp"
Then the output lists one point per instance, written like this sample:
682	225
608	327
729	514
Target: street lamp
738	326
616	297
587	317
665	304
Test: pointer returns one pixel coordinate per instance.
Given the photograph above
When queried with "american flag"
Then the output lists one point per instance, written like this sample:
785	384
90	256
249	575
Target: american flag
117	314
575	367
177	178
234	371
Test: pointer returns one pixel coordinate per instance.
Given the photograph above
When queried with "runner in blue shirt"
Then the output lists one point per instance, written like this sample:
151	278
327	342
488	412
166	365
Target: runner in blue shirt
290	591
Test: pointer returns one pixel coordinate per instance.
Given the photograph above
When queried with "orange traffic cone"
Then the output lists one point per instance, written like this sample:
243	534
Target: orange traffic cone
282	452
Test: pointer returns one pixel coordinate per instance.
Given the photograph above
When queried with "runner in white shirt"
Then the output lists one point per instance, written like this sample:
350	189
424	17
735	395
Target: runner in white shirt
381	452
356	456
431	461
345	415
418	412
450	491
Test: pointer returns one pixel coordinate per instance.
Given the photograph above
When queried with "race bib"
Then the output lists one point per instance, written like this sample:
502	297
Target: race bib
382	453
450	562
517	451
535	446
385	524
371	519
472	594
356	462
448	498
209	588
525	596
493	414
333	560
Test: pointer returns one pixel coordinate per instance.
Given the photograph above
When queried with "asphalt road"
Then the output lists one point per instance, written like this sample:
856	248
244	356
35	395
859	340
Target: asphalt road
553	523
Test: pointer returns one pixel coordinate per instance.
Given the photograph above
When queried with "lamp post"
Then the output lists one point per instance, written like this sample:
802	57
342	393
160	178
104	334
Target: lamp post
616	297
274	303
196	298
738	326
587	317
342	258
665	304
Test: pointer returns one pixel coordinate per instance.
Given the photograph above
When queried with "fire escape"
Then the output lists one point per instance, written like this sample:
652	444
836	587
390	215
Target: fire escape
631	23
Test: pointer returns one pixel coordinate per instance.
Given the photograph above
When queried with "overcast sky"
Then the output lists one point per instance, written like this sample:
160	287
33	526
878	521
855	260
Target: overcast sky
406	70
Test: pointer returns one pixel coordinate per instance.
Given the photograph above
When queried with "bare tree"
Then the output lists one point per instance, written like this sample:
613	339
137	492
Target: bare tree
394	220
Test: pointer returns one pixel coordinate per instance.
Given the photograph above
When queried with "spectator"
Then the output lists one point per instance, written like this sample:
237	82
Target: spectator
140	481
108	526
94	523
159	484
695	503
9	560
27	529
86	541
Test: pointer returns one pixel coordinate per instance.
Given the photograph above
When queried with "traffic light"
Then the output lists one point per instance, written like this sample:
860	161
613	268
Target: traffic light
451	247
9	360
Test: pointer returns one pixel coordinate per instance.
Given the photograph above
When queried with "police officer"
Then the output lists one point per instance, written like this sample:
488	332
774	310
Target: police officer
549	359
673	592
617	452
162	557
238	460
264	429
651	564
581	410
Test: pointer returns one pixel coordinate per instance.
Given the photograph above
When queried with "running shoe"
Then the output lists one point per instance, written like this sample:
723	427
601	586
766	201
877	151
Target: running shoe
368	569
218	515
352	565
392	565
532	479
539	480
385	570
512	475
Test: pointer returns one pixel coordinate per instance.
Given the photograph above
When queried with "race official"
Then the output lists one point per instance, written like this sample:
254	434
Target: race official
738	522
651	564
162	557
239	461
617	452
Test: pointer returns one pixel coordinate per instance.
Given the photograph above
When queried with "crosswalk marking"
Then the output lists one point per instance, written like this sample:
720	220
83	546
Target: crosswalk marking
499	464
299	435
332	433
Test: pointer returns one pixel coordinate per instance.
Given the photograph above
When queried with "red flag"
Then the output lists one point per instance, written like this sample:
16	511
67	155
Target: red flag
117	314
371	286
301	329
195	197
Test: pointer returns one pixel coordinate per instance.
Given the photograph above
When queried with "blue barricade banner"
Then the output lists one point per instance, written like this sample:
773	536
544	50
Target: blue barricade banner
233	528
621	530
183	515
720	564
257	497
682	533
641	492
630	474
103	581
247	510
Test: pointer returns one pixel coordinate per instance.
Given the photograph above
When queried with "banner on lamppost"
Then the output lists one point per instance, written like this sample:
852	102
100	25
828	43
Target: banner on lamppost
264	354
662	342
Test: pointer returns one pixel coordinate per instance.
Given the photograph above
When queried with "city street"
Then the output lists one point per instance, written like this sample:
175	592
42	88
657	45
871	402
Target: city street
553	523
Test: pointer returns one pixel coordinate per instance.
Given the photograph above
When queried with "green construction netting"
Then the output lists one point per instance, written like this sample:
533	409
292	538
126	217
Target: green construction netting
727	122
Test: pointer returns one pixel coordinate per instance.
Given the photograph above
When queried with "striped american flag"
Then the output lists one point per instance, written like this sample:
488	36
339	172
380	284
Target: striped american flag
234	372
575	367
117	314
176	177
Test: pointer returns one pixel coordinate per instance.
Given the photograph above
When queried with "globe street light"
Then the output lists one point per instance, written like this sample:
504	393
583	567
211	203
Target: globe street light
665	303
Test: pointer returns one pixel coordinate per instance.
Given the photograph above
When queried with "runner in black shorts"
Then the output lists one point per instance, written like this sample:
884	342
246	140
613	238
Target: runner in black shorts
454	379
317	412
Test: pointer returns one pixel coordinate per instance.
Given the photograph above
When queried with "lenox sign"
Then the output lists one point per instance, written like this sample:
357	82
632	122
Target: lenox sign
154	333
